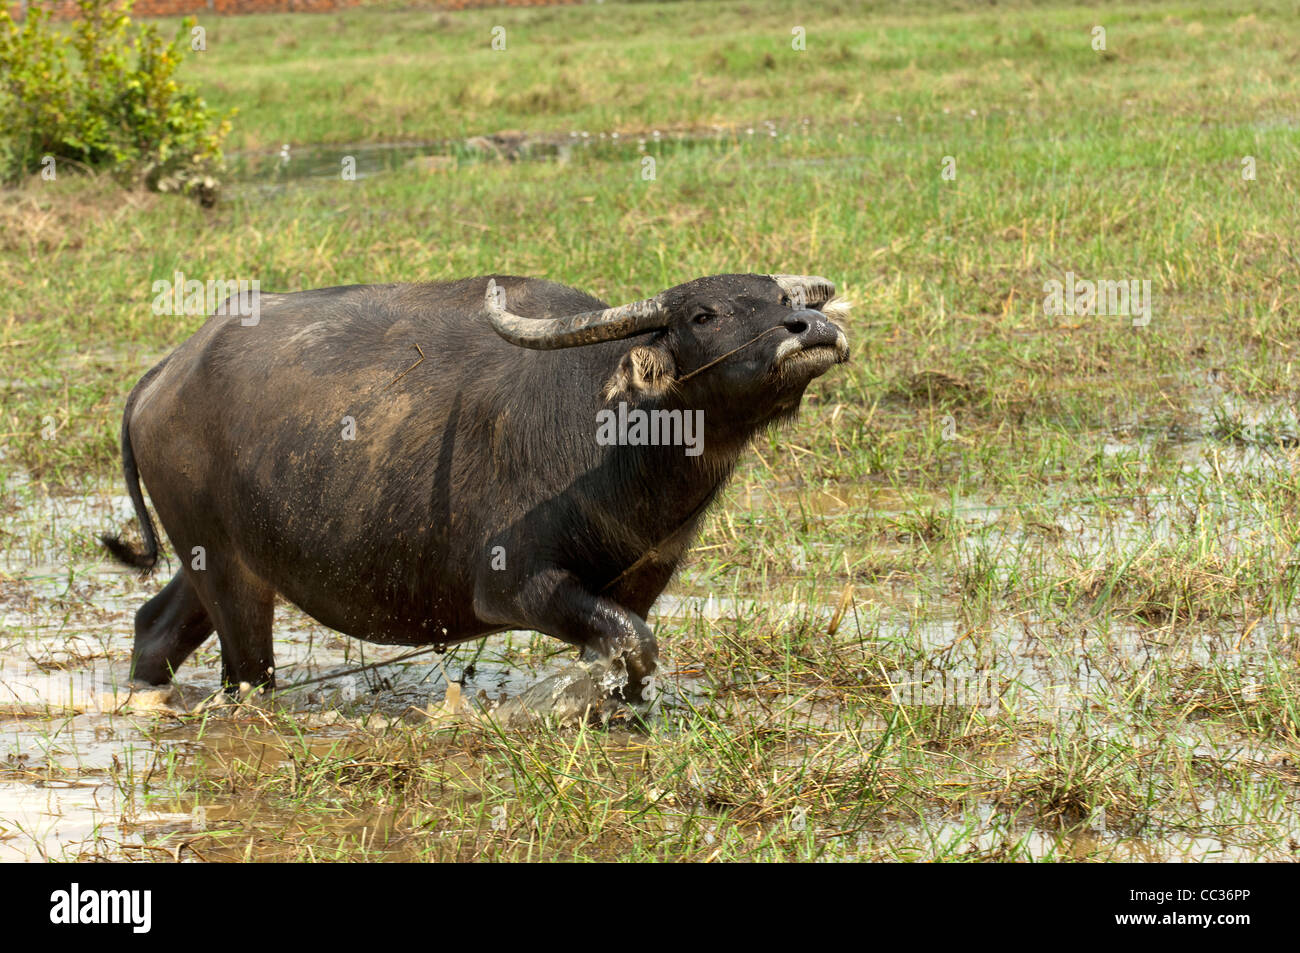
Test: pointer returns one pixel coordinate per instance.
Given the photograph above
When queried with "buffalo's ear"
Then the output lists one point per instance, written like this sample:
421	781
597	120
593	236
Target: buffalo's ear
644	371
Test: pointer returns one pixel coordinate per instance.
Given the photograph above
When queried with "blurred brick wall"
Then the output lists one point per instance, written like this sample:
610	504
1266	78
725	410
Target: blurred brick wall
65	9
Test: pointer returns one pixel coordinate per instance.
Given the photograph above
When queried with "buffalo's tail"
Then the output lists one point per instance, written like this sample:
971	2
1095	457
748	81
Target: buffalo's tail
120	550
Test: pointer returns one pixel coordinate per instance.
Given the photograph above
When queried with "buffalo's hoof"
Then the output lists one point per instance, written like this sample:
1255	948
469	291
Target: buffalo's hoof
137	695
581	692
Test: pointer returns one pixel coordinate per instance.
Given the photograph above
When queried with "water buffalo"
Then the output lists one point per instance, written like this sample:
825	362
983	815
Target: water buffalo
428	464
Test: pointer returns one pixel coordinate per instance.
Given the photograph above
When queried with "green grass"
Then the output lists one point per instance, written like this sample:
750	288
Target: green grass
1098	520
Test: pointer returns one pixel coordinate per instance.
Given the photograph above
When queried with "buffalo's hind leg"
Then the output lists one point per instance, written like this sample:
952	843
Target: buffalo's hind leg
168	628
242	608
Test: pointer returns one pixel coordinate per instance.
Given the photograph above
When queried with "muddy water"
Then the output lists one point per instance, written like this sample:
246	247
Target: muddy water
66	792
76	737
78	743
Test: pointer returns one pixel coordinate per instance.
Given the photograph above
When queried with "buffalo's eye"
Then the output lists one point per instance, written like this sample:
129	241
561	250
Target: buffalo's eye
704	317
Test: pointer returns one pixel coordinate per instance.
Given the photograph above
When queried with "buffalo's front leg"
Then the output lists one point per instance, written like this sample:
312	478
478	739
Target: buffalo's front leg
556	604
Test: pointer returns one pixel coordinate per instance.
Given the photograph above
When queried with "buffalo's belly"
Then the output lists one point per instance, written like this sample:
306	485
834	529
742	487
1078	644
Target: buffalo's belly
424	618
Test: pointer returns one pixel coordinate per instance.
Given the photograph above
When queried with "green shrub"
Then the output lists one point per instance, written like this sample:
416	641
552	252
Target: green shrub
116	107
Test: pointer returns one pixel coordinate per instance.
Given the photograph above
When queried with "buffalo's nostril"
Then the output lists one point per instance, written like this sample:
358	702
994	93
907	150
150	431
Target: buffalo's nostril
812	329
798	322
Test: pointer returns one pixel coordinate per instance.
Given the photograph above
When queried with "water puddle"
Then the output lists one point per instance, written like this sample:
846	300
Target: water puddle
273	169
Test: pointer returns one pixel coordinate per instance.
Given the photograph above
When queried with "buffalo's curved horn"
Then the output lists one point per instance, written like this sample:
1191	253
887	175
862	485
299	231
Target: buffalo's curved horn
589	327
806	291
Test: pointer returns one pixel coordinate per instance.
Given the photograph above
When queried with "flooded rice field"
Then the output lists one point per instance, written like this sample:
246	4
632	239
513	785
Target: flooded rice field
1073	676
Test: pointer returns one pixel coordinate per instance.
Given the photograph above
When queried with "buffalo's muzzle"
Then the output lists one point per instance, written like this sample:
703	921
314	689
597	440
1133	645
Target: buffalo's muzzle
813	333
812	328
